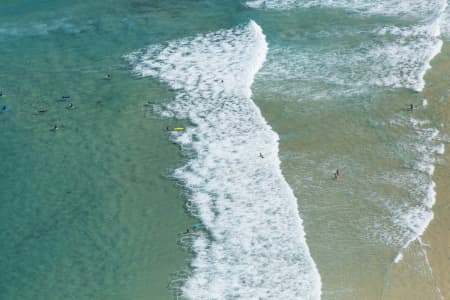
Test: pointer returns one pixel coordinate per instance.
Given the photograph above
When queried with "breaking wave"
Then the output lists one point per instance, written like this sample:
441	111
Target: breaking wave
253	243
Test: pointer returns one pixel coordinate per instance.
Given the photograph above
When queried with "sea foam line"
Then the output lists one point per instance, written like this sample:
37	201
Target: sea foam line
254	244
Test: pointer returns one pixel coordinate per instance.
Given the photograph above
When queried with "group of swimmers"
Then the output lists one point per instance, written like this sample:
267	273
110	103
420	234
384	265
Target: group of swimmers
70	106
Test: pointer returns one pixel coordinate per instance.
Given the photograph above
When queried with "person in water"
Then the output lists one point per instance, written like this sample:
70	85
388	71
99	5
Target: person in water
260	155
54	128
4	108
1	93
71	106
410	107
337	174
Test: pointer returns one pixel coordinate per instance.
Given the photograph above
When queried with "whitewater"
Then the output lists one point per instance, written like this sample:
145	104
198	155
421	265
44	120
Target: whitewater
253	244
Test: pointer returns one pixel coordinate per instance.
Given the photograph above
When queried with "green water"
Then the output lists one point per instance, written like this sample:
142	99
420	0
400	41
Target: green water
87	211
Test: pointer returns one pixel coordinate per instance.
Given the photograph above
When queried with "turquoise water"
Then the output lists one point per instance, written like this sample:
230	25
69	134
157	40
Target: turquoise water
96	210
87	211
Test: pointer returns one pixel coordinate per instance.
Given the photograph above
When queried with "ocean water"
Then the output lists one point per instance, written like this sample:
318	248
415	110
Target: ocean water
274	96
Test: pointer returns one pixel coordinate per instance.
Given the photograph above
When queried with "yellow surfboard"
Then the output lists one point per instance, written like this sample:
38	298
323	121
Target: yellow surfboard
178	129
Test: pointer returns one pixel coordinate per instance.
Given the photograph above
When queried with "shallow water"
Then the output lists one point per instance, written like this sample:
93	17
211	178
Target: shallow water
84	210
343	107
92	210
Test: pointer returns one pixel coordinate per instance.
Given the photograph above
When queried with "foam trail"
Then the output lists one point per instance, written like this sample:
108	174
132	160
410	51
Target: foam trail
255	247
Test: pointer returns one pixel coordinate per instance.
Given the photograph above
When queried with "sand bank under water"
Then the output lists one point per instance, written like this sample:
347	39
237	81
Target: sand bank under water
424	271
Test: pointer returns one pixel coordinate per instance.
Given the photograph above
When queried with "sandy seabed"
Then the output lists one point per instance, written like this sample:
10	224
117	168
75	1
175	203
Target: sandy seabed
424	271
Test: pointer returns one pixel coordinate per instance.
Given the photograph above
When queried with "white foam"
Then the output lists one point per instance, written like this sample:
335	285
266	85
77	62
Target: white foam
393	57
439	149
257	248
415	219
445	23
390	56
398	258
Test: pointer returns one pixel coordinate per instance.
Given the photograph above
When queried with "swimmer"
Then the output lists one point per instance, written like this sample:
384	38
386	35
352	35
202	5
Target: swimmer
1	93
108	77
337	174
4	108
65	97
54	128
42	110
260	155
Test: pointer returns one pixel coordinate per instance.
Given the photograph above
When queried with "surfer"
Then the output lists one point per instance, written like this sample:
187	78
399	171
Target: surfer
71	106
54	128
